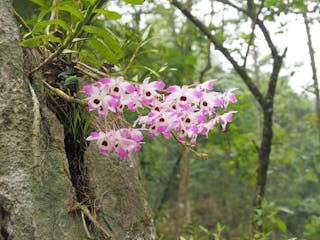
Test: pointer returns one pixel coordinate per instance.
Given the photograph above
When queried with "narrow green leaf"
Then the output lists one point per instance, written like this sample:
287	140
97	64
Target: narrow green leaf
41	25
146	41
146	33
74	11
39	40
109	14
41	3
281	225
87	124
285	210
103	50
91	58
149	69
203	229
162	69
79	39
44	12
134	1
112	43
69	51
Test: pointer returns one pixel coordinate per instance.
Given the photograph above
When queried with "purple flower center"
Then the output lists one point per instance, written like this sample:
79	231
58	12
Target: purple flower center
183	98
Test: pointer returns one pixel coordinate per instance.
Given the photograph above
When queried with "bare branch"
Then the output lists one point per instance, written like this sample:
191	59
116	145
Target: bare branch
90	71
132	59
208	65
254	23
260	23
22	21
63	95
219	46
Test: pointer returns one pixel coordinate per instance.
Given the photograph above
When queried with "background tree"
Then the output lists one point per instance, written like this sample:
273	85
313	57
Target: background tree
251	11
53	185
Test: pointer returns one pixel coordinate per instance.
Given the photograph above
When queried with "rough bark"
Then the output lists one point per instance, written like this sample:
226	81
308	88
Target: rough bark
35	191
120	204
36	185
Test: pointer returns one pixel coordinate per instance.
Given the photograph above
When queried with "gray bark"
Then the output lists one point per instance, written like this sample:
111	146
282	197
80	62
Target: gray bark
35	190
36	193
120	203
314	69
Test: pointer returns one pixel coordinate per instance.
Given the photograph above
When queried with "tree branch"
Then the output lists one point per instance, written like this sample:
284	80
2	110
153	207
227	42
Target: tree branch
219	46
264	30
254	23
132	59
277	64
208	65
22	21
63	95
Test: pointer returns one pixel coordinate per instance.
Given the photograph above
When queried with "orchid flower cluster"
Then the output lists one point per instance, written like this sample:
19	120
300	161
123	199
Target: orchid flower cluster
183	112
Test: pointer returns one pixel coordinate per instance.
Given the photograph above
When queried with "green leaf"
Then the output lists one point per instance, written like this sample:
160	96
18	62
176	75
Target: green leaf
134	1
41	3
146	41
146	33
203	229
299	5
91	58
285	210
162	69
103	50
109	14
149	69
74	11
107	38
79	39
39	40
281	225
69	51
44	12
41	25
71	80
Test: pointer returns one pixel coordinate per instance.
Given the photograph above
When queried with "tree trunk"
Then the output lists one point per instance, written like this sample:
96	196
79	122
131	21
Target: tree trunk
266	102
38	193
314	70
182	201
